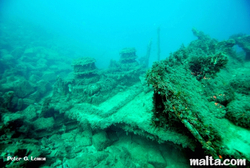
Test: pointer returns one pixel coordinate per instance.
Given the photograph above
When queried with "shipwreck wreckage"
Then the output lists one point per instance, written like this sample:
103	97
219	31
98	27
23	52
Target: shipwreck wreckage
188	107
183	99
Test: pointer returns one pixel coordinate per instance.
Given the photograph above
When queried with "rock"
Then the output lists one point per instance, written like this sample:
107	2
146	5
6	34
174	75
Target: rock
17	52
11	78
86	128
100	140
11	118
43	87
27	102
8	59
54	67
35	96
113	136
44	123
49	76
140	140
150	166
30	113
174	156
23	88
58	162
7	87
83	141
30	52
42	61
19	104
34	78
155	158
68	136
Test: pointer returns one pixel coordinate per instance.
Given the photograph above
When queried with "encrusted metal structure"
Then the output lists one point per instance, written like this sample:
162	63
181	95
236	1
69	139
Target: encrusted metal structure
84	67
128	58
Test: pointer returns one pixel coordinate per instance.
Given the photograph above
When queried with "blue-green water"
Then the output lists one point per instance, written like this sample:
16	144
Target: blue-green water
102	28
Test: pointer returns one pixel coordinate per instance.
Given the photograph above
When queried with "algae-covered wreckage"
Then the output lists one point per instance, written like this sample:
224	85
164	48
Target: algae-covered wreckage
196	101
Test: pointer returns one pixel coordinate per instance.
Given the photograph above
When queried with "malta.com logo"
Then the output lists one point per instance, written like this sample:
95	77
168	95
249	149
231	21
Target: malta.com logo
209	161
